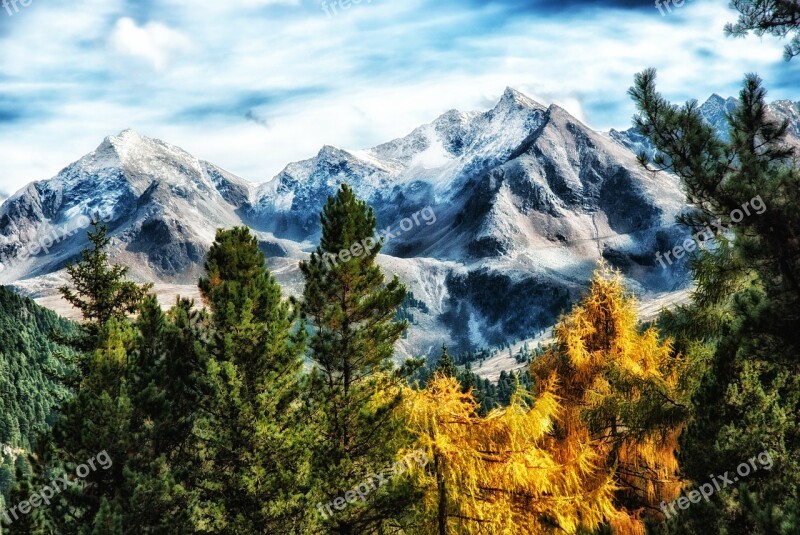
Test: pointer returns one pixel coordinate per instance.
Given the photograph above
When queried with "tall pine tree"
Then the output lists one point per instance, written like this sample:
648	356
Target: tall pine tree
354	392
247	433
745	315
135	399
98	416
622	391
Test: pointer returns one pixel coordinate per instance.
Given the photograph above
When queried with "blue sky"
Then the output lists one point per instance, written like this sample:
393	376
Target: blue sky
254	84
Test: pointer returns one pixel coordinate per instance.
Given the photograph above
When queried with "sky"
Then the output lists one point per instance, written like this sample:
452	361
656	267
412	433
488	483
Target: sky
252	85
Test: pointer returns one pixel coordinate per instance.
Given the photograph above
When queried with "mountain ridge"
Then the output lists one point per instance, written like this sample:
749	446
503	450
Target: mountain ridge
527	199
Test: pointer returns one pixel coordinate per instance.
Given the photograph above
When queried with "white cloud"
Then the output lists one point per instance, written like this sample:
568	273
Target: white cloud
153	42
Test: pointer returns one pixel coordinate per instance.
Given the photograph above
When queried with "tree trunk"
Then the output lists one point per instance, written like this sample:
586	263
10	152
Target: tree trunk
442	492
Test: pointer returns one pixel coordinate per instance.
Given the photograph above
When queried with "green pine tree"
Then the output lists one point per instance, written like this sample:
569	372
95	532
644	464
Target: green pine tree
445	365
779	18
353	393
100	290
134	399
164	372
743	322
97	419
248	433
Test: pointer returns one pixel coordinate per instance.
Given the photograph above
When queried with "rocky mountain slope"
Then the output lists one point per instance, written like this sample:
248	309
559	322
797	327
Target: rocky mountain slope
525	200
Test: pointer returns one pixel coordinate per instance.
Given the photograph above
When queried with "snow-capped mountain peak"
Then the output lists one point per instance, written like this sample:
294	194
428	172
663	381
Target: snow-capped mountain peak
512	99
161	202
439	153
715	110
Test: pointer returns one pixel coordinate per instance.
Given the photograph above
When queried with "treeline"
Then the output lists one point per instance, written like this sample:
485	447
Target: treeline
487	394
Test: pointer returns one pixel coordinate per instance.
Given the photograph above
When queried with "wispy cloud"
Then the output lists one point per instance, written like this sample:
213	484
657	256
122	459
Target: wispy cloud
254	84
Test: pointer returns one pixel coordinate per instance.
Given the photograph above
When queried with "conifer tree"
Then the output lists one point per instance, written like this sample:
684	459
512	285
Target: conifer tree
135	400
165	371
354	392
502	473
98	416
12	520
445	365
248	431
621	391
744	317
97	419
768	17
99	290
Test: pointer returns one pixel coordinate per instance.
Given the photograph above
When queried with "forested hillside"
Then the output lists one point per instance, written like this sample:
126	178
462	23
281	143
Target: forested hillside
27	394
27	349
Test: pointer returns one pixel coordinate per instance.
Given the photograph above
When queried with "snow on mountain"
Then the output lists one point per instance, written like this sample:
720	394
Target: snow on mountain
715	111
790	111
163	207
426	166
527	199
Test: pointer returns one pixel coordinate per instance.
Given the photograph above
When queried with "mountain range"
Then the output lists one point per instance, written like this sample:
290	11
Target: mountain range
526	200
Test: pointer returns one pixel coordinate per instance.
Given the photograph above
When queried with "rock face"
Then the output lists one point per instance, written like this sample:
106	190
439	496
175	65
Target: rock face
162	206
497	217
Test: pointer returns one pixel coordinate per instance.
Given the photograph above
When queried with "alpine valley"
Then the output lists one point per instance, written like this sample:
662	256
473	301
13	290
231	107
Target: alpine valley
526	198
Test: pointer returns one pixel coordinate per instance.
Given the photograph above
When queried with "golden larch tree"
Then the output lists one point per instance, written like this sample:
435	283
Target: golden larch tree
621	389
503	474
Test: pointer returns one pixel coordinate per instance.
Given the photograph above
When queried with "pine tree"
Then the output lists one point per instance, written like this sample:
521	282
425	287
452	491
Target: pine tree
135	400
621	391
768	17
744	318
98	416
101	291
15	521
248	430
97	419
354	391
445	365
164	372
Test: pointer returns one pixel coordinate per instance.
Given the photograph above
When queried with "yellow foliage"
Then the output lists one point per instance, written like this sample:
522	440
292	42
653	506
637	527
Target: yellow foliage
620	390
502	474
596	445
